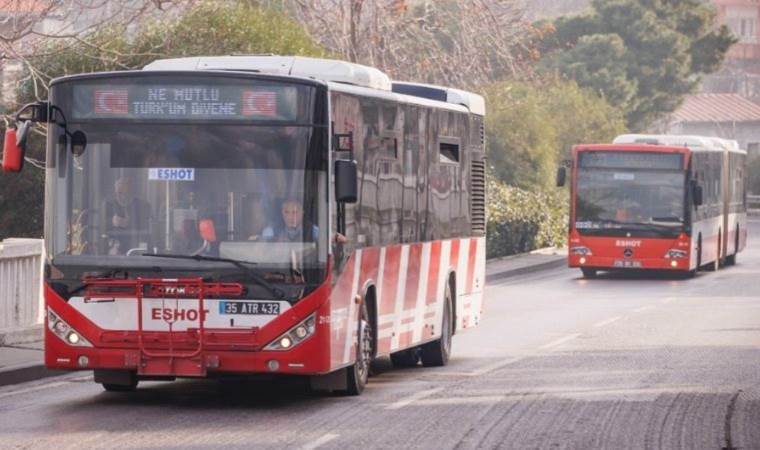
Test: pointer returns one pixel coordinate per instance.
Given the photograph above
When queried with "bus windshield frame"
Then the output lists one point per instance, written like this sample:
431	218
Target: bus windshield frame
146	184
631	194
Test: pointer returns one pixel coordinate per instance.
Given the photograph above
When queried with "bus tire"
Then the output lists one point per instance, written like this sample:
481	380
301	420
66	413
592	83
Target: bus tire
699	253
406	358
437	353
731	259
358	374
715	265
588	273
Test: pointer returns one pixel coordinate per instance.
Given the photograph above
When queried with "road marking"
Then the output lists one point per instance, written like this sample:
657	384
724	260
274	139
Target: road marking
643	308
491	367
560	341
604	323
43	387
321	441
413	398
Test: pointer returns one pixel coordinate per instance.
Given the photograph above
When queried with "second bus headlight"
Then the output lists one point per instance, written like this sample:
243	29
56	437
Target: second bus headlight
64	331
581	251
676	254
295	335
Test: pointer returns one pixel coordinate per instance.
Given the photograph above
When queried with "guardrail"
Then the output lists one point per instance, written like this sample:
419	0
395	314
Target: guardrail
753	204
21	299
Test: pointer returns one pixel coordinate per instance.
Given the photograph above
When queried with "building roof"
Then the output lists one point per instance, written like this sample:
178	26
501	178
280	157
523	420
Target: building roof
717	108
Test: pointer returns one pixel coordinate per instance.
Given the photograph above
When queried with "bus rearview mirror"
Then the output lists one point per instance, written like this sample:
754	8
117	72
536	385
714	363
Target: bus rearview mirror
14	148
698	195
561	176
346	181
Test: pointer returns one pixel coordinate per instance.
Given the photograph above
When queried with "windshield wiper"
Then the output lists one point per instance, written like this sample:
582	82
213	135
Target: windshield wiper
242	265
105	274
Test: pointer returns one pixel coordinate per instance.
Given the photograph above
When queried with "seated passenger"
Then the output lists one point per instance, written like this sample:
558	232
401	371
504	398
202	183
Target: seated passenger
125	219
291	229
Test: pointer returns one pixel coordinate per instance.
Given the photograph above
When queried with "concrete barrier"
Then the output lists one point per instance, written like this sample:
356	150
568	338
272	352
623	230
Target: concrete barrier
21	297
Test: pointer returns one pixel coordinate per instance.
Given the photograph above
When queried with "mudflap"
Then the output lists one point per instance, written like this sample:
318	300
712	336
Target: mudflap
331	382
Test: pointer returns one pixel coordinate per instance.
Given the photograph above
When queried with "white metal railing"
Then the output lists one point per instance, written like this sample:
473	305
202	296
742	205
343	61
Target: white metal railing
753	204
21	297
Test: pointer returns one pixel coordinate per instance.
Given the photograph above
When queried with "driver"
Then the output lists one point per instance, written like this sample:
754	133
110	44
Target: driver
126	218
291	229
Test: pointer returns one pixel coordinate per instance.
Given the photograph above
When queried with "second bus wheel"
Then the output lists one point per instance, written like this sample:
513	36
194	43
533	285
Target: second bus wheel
358	374
436	353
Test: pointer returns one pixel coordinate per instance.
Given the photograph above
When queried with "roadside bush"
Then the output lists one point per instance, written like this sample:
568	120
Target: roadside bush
520	221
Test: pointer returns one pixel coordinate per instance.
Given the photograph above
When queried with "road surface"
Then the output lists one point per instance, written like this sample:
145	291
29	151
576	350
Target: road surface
558	362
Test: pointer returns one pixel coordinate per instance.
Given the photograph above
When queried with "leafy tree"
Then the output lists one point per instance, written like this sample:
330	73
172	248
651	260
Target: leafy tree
642	56
531	126
211	28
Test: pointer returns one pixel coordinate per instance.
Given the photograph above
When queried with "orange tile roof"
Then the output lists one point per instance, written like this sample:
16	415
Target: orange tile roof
24	6
717	108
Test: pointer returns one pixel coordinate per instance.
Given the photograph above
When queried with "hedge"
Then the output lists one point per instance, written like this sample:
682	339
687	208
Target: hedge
520	221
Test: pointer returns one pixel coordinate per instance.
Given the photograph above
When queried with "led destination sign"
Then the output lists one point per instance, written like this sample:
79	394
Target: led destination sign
193	102
631	160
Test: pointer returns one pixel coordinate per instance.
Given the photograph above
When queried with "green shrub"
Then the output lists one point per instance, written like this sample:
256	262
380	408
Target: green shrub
520	221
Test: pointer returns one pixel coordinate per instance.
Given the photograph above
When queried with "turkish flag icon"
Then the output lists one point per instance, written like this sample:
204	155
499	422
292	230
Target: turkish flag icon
111	101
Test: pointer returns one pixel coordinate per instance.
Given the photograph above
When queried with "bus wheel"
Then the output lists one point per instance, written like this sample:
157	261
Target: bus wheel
406	358
731	259
715	265
588	273
358	374
436	353
699	253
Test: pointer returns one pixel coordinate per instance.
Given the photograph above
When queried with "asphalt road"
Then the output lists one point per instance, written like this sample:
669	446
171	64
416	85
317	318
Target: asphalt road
558	362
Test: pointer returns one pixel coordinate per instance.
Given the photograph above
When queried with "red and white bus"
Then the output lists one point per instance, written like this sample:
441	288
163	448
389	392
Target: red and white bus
248	215
674	203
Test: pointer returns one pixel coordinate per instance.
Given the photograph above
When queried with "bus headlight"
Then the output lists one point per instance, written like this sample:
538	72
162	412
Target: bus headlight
676	254
581	251
295	335
64	331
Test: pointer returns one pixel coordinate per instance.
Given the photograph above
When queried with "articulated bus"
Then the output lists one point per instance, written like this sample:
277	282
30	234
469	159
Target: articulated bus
257	215
671	203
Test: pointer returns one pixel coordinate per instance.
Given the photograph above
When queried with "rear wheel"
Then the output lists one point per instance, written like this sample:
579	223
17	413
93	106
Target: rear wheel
358	374
436	353
731	259
715	265
589	273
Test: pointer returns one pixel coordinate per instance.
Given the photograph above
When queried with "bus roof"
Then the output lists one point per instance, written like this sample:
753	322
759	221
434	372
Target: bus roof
333	72
694	143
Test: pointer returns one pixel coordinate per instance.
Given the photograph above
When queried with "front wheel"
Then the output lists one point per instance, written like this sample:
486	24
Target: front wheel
436	353
358	374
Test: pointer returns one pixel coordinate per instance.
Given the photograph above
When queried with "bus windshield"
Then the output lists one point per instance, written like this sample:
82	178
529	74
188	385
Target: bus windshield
648	198
188	168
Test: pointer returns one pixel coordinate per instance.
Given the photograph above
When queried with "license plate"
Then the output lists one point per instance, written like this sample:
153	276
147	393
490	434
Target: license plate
627	264
250	308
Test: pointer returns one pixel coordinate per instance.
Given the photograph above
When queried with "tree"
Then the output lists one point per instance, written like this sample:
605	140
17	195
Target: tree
532	126
643	56
209	28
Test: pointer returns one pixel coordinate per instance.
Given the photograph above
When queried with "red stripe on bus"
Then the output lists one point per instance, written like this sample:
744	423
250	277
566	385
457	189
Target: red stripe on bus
390	279
433	272
413	276
471	264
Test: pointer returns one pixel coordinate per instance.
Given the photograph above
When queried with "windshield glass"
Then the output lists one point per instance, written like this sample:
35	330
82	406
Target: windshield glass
650	201
242	179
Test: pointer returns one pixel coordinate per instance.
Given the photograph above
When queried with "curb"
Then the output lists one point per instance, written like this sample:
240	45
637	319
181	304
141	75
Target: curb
30	372
539	267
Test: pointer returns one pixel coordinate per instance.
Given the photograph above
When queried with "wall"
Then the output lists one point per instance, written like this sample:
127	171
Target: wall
21	300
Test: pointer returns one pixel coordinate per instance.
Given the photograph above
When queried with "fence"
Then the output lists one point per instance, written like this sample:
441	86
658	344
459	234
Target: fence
21	300
753	204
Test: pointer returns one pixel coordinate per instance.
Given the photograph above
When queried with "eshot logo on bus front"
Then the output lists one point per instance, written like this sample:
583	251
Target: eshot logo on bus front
627	243
171	315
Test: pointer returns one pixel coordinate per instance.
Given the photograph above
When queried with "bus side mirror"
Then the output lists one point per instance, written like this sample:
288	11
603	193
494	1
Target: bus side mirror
346	181
207	230
561	176
14	147
698	194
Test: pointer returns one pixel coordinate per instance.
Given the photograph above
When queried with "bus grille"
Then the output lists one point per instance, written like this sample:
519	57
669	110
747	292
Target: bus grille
478	200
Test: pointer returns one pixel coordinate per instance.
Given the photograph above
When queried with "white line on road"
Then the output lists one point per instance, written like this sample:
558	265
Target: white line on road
495	366
604	323
43	387
413	398
560	341
321	441
643	308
